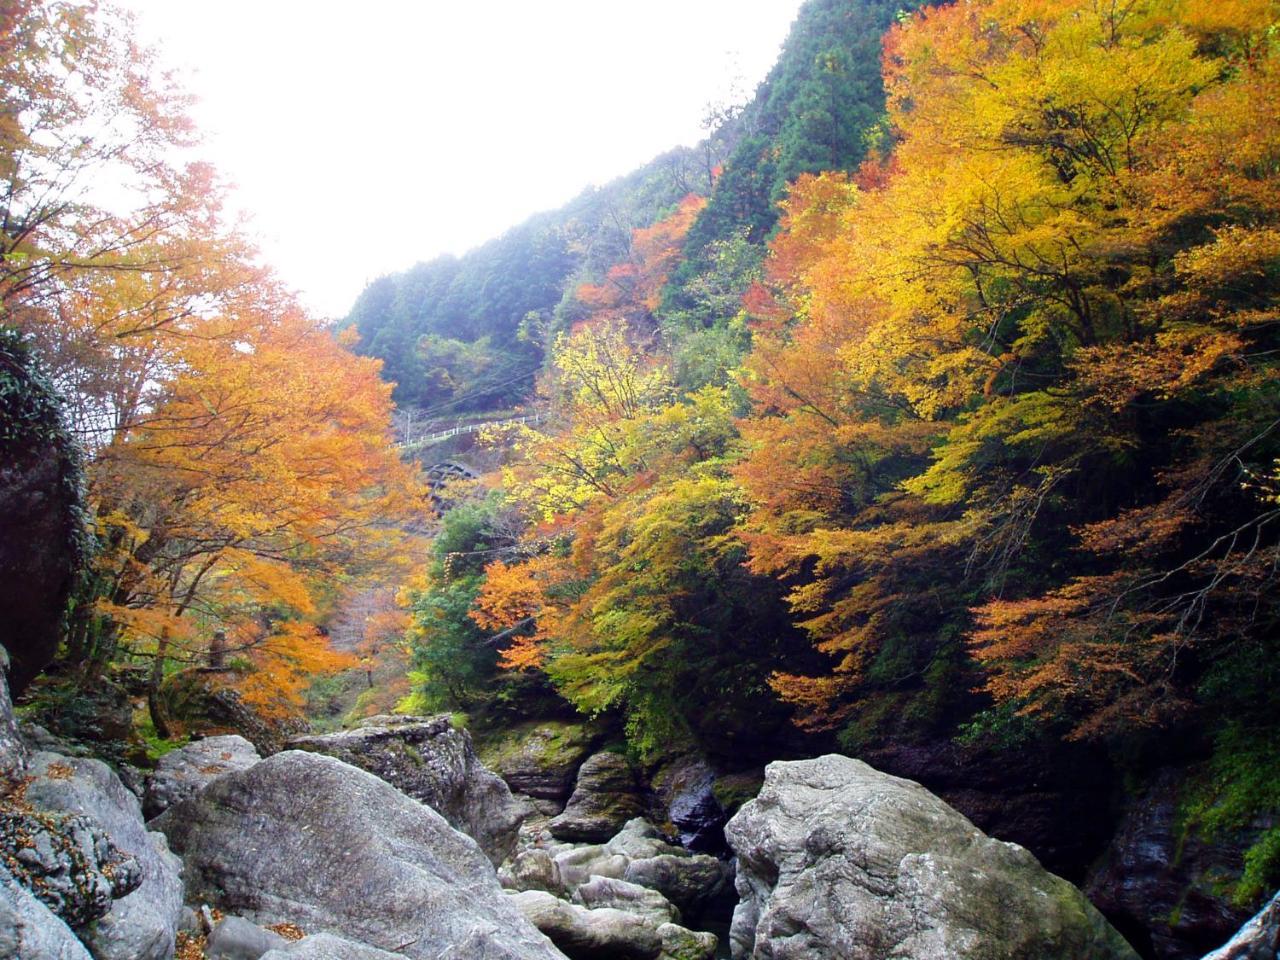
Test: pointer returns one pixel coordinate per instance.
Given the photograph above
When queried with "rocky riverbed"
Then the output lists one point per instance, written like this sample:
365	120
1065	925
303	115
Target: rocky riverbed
394	840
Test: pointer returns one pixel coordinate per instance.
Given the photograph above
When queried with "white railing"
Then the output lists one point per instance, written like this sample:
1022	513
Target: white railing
419	442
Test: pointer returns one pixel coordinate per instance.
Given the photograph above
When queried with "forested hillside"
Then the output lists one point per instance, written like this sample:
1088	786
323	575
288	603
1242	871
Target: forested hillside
981	451
468	333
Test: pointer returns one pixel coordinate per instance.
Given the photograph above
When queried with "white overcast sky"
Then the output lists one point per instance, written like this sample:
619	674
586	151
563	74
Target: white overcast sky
364	137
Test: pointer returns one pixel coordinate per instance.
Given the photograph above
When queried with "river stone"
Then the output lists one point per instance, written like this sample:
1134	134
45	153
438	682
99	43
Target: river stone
604	799
590	934
599	892
836	859
307	839
29	930
144	924
325	946
692	883
432	761
235	938
1259	939
681	944
184	772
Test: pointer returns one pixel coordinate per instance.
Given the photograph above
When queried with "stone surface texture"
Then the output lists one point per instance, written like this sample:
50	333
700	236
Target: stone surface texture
541	759
604	798
307	839
1164	886
142	925
29	930
432	761
836	859
1259	939
184	772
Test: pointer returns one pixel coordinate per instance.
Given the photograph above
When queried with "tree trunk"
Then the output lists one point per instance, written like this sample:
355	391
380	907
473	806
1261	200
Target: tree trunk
158	719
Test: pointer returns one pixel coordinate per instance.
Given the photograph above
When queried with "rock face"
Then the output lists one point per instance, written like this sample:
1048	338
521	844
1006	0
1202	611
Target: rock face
838	860
13	752
604	799
433	762
28	929
68	862
1054	800
1163	889
44	543
307	839
684	795
1259	939
325	946
542	759
144	924
184	772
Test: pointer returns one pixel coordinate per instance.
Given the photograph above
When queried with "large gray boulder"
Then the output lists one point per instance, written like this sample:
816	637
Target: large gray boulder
836	859
604	934
307	839
601	892
184	772
1259	939
325	946
29	930
432	761
604	799
144	924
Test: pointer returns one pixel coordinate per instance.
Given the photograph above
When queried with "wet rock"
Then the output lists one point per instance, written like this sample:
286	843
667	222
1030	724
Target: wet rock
184	772
836	859
433	762
305	838
1165	889
604	798
693	883
1259	939
685	797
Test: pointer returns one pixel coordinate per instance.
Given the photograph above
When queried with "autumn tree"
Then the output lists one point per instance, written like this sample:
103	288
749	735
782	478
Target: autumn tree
239	455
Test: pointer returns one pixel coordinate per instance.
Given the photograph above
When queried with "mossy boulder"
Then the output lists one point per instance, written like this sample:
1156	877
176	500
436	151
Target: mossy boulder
45	542
836	859
540	759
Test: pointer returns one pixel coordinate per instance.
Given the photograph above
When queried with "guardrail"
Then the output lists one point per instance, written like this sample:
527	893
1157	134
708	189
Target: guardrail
419	442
